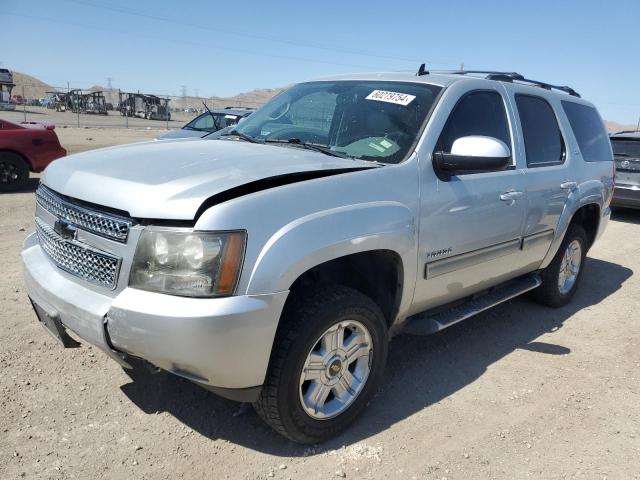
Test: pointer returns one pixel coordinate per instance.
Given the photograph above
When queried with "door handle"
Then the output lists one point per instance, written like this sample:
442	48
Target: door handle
510	196
569	185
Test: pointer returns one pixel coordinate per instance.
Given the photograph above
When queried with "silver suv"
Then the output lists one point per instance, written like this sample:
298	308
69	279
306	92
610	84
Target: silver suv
273	265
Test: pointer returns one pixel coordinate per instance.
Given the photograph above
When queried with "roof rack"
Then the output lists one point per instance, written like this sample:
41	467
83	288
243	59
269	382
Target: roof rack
509	77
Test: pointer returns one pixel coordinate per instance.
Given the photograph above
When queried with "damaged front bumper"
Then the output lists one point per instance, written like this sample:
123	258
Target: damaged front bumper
223	344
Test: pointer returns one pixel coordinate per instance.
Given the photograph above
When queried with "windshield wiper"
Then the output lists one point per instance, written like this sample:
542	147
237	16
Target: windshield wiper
309	146
243	136
621	155
213	117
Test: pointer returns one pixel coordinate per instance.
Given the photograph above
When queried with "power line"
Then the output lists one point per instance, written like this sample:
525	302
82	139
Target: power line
187	42
255	36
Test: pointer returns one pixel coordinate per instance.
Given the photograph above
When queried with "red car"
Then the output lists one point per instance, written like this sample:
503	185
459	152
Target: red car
25	147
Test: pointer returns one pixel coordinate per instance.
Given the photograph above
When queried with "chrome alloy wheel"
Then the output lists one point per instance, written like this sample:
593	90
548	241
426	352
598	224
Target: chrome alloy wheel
336	370
570	267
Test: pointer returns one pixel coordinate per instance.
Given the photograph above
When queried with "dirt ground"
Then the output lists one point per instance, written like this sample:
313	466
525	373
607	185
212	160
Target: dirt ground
521	391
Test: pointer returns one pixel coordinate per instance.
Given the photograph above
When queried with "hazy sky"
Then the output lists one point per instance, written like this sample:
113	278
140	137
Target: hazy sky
223	48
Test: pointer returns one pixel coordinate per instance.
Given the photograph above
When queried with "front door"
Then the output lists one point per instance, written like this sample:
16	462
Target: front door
471	224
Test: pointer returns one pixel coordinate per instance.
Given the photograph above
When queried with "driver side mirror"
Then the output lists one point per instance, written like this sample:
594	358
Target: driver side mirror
475	153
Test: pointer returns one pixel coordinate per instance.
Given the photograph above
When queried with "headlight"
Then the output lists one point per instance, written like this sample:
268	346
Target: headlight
188	263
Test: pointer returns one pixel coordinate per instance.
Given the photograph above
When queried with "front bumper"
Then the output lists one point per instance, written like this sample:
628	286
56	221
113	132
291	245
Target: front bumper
224	344
626	196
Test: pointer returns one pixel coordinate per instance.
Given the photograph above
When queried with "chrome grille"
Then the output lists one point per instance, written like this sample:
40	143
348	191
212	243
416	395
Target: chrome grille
102	224
77	259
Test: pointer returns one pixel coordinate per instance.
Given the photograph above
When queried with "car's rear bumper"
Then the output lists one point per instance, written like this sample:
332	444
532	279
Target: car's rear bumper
223	344
626	196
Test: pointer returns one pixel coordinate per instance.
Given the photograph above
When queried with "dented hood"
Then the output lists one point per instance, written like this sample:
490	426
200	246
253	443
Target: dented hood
171	179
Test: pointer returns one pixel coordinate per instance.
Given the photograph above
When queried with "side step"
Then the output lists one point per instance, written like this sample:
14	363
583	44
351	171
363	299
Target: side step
427	323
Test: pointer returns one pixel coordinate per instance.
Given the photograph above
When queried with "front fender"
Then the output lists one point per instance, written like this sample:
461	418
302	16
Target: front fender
326	235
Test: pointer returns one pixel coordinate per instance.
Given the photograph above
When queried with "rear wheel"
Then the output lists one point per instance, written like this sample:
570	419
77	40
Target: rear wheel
14	172
560	279
328	360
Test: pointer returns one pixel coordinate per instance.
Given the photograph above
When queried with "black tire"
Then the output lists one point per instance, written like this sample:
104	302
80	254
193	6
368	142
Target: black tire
549	293
305	319
14	172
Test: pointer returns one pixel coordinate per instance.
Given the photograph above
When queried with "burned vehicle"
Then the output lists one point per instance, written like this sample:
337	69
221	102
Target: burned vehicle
150	107
6	86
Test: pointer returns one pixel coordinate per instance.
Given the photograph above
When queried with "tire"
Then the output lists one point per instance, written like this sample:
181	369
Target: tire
550	292
305	320
14	172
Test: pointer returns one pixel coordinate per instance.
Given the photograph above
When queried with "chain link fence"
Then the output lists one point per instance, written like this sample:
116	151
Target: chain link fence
71	106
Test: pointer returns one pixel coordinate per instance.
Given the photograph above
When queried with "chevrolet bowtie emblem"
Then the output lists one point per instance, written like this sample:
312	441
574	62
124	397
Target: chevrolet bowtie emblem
65	229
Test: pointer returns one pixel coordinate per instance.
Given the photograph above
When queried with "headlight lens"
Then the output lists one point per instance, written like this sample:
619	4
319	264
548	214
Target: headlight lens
188	263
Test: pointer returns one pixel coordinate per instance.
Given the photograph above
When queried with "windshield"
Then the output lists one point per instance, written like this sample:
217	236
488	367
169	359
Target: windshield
212	122
370	120
626	148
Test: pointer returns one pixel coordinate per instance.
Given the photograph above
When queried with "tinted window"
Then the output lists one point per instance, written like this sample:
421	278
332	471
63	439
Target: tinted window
542	138
589	130
626	148
478	113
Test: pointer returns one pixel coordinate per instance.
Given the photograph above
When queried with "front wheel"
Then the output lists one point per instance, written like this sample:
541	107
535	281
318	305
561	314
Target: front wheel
560	279
328	360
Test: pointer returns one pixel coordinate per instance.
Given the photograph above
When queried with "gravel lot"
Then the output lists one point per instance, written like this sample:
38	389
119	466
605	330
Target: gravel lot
521	391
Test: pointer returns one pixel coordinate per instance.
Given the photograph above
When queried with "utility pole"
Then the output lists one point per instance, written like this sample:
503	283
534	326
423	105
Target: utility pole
638	125
183	94
462	67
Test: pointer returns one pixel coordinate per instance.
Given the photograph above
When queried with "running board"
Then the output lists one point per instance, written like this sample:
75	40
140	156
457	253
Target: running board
427	323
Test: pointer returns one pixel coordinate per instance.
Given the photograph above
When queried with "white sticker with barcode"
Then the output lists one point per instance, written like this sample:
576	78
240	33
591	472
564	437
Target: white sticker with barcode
403	99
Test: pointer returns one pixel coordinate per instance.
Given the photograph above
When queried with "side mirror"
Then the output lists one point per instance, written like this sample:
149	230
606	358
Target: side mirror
474	153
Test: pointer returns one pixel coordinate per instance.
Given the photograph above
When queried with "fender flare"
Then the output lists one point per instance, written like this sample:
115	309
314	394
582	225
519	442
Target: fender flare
569	212
326	235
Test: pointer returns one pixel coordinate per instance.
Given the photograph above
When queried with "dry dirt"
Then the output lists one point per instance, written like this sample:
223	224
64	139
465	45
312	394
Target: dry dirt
521	391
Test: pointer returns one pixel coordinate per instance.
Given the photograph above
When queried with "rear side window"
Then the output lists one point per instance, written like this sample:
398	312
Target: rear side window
589	130
542	137
478	113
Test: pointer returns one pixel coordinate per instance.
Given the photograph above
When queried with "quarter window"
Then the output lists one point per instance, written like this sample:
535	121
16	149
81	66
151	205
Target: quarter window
542	137
589	130
478	113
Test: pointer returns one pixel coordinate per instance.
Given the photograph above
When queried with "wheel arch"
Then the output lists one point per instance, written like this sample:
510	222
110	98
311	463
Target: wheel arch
588	215
26	159
378	274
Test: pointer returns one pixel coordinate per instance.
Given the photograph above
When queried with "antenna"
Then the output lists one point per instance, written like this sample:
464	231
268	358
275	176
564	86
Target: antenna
109	79
422	70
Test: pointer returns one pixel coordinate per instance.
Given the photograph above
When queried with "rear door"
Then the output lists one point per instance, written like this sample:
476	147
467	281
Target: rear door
549	176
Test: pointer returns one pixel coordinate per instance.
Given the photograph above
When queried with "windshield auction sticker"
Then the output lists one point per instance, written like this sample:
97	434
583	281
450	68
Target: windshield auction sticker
391	97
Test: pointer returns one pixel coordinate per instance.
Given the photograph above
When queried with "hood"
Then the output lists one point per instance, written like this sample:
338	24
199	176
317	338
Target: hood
172	179
182	133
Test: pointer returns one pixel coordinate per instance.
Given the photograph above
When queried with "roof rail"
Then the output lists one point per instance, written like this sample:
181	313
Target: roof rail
516	77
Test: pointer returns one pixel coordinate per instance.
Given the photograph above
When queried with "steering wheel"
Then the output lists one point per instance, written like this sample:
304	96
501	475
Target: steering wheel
281	112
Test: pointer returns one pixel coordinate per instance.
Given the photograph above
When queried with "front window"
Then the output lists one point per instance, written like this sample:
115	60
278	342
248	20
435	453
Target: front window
212	122
369	120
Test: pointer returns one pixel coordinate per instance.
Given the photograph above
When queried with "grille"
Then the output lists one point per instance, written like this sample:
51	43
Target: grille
71	256
628	164
105	225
